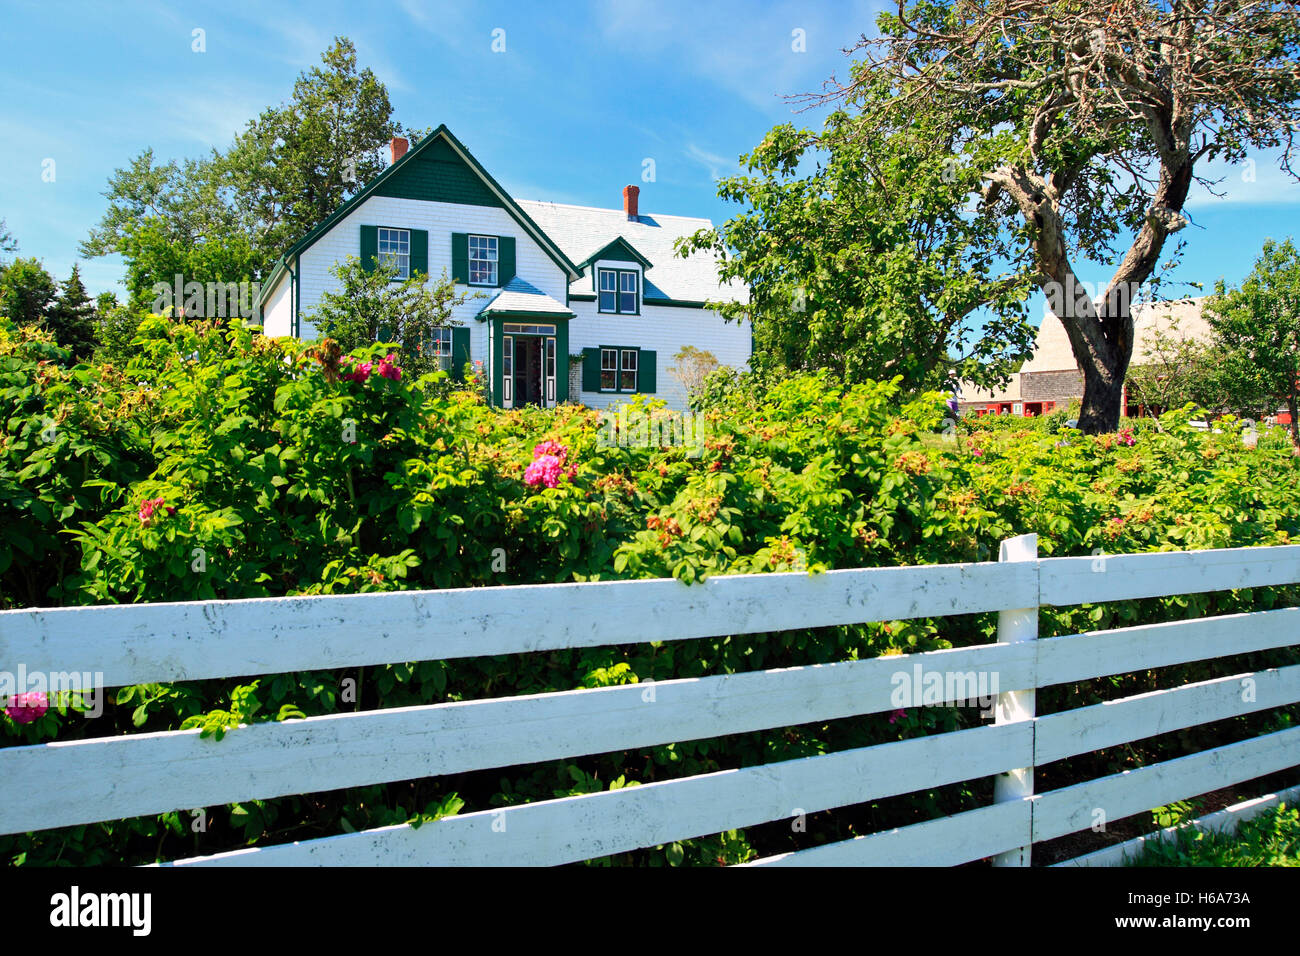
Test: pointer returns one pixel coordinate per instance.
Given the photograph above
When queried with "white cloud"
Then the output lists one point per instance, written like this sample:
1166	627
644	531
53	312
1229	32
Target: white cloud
715	164
746	50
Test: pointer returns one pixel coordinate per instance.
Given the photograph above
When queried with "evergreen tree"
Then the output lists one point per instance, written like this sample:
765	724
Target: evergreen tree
71	317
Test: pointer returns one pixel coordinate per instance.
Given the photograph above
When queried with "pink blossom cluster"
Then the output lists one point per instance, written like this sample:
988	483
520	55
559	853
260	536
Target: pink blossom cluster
24	708
386	367
548	465
151	507
1126	437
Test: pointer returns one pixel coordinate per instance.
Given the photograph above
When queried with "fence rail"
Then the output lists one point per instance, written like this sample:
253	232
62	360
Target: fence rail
119	777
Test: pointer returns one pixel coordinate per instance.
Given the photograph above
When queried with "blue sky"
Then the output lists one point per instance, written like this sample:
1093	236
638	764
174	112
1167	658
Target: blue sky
582	95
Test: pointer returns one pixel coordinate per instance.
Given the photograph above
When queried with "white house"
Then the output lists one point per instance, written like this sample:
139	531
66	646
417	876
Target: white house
603	286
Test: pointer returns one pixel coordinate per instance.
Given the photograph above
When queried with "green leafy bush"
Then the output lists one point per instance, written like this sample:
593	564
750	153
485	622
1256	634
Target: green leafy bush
221	464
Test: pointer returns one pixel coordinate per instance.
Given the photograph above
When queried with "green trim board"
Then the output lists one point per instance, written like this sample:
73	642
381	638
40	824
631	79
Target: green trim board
496	349
645	300
617	250
440	134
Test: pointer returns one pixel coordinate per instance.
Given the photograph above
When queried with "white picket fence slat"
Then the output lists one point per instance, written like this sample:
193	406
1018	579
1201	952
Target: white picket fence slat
943	841
1122	577
1099	726
1073	808
155	773
1076	657
164	643
551	832
118	777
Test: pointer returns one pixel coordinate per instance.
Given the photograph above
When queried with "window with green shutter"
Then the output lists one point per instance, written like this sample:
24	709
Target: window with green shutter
482	260
619	369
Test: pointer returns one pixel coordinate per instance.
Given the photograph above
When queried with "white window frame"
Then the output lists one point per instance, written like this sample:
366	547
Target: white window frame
634	292
601	291
490	247
624	368
613	353
389	245
442	347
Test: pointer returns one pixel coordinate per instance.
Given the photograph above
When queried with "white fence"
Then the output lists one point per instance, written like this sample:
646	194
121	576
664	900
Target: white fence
119	777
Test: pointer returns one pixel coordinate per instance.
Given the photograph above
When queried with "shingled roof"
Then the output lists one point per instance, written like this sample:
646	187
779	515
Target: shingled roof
581	231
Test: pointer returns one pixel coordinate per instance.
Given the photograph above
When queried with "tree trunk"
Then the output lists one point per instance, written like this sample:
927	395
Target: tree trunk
1103	393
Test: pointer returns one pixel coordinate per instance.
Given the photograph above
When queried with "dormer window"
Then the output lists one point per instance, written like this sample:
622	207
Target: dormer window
618	290
627	292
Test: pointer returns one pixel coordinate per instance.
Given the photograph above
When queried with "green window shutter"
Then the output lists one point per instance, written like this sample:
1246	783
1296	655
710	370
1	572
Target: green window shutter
645	372
505	259
460	257
369	247
459	352
419	251
591	370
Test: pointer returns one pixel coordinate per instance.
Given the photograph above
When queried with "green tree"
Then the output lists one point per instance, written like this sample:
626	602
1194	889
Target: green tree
298	162
871	265
1087	123
26	291
71	317
373	305
1258	329
1173	370
226	217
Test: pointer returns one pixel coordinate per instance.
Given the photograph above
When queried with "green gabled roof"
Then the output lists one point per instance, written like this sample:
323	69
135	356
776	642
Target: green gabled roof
409	162
619	249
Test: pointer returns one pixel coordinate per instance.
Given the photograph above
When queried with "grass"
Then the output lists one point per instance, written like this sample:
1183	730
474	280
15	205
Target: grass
1270	839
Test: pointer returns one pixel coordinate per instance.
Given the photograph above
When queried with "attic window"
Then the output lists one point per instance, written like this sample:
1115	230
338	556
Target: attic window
618	291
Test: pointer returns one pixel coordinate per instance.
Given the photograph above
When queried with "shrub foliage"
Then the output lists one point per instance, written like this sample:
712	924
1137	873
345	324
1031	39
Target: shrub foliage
222	464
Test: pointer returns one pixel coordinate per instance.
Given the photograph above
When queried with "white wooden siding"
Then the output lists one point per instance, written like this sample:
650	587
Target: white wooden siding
277	311
665	329
440	220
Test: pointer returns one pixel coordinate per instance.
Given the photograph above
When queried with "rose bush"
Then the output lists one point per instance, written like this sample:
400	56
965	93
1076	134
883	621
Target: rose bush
222	464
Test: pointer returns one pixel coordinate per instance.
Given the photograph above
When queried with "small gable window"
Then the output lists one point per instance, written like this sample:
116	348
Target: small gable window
483	254
627	292
395	250
618	291
608	290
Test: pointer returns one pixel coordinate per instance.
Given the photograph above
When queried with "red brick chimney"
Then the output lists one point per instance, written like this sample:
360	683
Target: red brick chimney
399	146
630	194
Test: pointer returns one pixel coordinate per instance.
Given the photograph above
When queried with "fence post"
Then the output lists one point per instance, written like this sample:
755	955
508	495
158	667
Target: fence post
1015	626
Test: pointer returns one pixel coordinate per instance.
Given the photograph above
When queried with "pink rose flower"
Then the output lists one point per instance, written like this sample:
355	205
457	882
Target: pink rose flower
149	507
977	452
388	368
24	708
550	448
359	373
544	470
